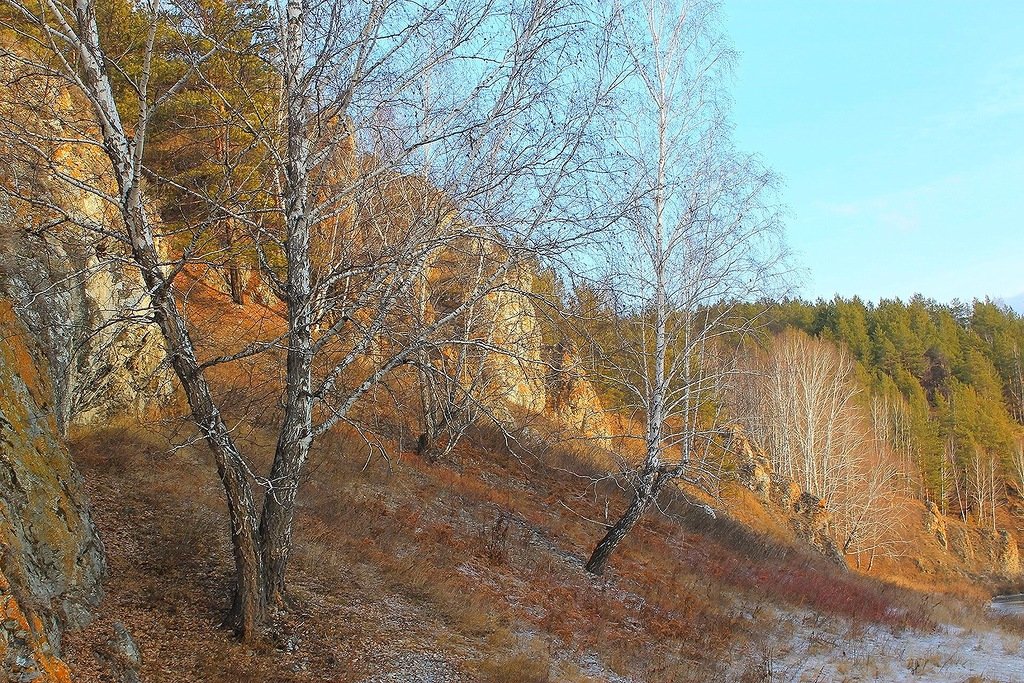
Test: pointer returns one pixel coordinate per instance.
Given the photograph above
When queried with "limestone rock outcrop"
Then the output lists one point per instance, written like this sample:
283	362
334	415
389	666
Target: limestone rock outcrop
572	399
1007	554
752	469
530	376
807	514
88	316
51	559
814	524
935	523
516	374
66	274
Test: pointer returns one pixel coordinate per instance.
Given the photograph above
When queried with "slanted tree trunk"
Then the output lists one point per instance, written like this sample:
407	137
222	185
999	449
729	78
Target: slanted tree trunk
642	499
248	609
653	479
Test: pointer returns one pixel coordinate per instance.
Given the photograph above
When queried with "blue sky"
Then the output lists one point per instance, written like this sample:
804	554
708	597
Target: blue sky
898	128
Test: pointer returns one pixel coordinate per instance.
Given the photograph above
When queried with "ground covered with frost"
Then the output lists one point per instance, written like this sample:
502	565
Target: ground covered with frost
991	649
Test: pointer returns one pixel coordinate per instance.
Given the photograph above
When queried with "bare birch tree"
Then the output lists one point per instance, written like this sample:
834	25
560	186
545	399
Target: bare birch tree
983	484
69	37
346	140
482	170
698	232
1017	467
807	418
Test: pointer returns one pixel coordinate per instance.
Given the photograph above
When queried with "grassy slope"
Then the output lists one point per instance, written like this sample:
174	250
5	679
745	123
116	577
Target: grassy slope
465	570
473	565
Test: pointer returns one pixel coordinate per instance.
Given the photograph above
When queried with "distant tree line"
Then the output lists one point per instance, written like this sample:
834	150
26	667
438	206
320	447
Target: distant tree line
959	373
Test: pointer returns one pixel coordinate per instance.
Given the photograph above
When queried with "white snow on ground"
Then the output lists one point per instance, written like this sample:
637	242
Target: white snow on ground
821	650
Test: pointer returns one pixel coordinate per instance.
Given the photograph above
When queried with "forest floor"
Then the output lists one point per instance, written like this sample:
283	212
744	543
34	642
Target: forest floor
470	570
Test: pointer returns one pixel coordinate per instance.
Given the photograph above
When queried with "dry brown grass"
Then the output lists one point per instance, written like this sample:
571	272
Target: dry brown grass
475	557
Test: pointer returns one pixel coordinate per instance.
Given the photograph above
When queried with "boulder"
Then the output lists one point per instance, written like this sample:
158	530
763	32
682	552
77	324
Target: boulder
122	656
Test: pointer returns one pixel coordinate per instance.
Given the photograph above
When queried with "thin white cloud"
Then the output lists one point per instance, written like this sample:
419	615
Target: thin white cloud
998	94
903	211
1016	302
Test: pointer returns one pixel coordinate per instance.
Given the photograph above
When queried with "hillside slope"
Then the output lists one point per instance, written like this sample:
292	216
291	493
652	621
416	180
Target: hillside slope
463	571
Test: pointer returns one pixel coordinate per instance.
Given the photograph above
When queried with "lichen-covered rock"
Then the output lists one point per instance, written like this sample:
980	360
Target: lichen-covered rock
960	543
25	652
813	523
51	558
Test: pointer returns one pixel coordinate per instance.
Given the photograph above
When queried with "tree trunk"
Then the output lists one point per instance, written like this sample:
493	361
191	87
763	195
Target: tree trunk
618	531
248	609
295	438
297	429
277	520
126	156
236	282
425	447
236	285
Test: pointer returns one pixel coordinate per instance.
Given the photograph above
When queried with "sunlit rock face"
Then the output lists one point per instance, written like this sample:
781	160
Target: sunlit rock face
572	399
72	285
807	514
1007	554
90	319
935	523
52	561
516	373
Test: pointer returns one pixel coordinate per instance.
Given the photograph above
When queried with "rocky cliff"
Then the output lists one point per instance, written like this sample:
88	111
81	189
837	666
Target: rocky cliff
806	513
88	316
572	399
63	270
938	545
51	561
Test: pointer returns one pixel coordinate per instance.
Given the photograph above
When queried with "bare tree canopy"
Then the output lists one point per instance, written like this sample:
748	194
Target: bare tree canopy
698	230
349	151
